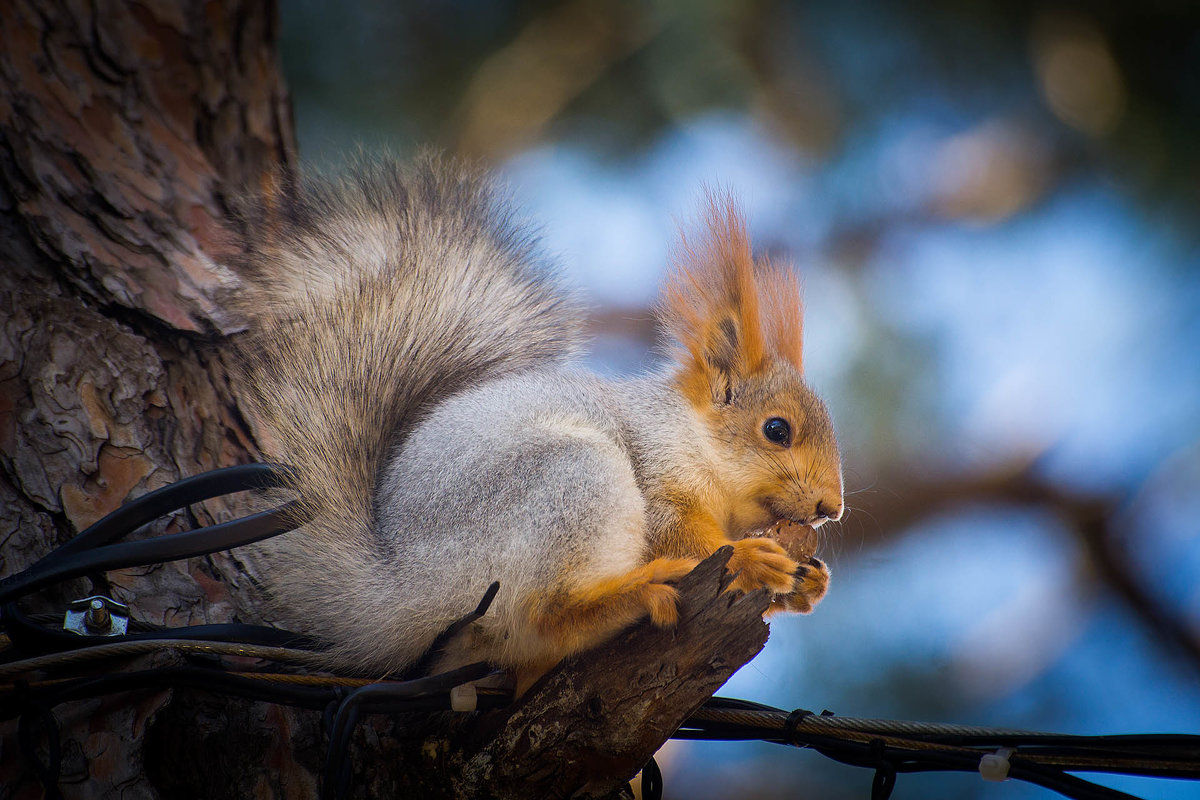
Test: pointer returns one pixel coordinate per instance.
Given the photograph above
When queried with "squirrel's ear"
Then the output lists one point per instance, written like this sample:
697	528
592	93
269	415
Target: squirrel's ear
711	305
721	364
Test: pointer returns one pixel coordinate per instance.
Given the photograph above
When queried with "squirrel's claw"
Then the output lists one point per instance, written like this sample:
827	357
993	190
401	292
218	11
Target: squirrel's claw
812	581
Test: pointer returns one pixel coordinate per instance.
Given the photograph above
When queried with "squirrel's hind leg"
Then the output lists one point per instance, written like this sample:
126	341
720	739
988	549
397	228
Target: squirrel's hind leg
573	619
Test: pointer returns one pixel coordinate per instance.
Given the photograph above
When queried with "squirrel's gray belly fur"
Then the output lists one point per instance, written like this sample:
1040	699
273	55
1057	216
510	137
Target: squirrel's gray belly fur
522	480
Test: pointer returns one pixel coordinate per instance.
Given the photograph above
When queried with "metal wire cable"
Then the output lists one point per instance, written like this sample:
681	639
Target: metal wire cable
815	723
309	680
1166	755
118	649
888	746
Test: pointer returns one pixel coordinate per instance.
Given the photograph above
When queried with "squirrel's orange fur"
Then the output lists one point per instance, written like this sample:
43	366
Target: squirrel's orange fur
715	284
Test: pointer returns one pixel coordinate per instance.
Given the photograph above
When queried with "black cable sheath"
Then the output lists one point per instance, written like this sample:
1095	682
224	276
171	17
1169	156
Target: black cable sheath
182	493
86	552
424	664
652	781
379	697
213	681
1181	749
171	547
428	694
861	754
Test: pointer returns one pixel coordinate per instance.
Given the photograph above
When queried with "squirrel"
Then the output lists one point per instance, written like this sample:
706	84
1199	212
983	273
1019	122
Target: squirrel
409	351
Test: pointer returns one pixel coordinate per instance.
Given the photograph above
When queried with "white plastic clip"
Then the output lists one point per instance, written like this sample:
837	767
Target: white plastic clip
464	697
994	766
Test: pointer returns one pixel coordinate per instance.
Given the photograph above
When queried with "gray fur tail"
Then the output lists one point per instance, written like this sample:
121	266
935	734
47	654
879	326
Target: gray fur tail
370	298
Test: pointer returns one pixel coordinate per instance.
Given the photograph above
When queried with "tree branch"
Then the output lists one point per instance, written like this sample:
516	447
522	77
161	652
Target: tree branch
588	726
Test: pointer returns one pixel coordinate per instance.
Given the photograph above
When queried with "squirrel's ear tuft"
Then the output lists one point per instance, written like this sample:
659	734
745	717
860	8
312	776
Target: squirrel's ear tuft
730	315
782	312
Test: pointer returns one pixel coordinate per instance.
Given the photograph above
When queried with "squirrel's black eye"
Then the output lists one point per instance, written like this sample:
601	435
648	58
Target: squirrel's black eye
778	431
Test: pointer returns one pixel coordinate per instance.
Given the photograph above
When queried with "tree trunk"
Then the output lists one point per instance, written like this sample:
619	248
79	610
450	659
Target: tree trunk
125	128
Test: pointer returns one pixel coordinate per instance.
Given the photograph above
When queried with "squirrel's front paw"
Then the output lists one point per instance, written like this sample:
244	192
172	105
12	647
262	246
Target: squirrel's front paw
759	562
811	583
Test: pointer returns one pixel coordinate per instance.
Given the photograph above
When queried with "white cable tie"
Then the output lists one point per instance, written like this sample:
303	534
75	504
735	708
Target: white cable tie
464	697
994	766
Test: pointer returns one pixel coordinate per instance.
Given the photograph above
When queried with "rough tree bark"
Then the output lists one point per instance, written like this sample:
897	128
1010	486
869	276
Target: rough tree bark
125	127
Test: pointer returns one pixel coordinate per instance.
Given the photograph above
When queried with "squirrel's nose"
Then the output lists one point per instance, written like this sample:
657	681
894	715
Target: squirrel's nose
832	512
825	513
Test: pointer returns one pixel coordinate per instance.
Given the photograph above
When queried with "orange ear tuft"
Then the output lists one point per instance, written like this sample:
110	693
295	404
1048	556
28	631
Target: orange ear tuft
782	312
730	315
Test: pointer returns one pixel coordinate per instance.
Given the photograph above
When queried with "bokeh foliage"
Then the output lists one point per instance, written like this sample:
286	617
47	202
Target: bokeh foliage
996	208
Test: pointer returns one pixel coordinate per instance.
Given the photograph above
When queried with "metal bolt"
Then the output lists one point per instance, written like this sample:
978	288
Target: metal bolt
97	617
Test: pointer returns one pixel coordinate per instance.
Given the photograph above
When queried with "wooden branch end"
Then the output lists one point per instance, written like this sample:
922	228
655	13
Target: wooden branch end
590	724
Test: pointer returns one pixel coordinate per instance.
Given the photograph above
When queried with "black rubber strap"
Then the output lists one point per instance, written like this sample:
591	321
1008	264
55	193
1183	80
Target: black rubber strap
172	547
424	664
182	493
90	551
378	697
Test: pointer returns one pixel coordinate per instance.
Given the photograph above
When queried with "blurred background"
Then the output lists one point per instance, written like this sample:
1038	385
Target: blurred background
995	208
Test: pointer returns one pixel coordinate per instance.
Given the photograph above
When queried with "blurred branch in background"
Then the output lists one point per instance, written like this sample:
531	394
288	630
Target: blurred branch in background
528	83
1111	85
1078	77
911	499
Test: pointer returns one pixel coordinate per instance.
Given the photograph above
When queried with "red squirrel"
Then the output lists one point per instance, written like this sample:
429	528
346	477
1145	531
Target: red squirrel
410	353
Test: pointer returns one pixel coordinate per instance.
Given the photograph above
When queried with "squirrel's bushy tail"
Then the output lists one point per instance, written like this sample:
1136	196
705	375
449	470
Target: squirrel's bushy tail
370	297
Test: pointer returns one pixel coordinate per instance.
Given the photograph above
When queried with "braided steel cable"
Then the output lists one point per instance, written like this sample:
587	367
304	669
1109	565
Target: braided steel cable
826	725
125	649
1165	755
